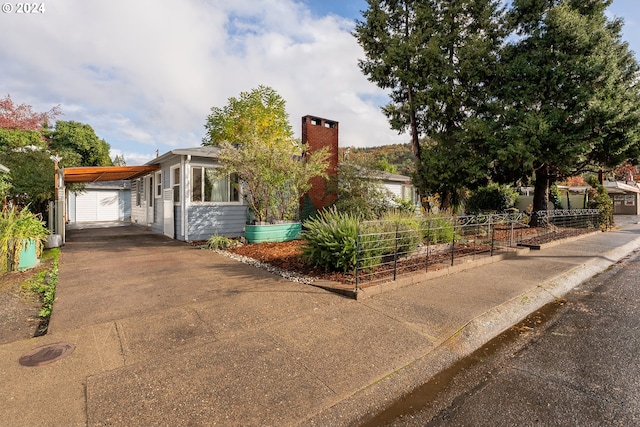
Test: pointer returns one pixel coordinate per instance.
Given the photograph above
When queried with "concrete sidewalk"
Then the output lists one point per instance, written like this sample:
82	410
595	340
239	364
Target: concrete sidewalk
166	334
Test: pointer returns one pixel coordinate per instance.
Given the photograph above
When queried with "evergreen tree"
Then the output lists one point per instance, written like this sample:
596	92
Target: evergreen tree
571	101
439	59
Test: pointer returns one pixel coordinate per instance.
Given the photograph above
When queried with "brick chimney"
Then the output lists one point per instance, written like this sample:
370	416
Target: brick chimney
319	133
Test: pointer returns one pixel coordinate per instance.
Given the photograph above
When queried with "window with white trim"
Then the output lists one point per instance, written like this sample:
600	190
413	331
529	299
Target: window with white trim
207	187
138	191
158	183
175	184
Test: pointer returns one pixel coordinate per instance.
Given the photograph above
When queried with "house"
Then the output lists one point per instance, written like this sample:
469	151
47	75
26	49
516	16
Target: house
4	169
183	199
179	194
625	197
100	201
399	185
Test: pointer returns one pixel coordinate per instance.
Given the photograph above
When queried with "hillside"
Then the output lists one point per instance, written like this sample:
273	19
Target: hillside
394	158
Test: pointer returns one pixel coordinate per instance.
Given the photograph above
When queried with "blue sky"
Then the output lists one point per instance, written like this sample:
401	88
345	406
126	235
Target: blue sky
146	73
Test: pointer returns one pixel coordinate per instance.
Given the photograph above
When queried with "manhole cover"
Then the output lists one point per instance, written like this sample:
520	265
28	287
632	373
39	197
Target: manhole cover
46	354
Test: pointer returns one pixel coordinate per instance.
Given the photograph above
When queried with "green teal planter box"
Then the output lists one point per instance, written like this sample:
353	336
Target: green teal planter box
260	233
28	255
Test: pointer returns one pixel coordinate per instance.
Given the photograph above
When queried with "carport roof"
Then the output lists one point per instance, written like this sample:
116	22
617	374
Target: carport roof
106	173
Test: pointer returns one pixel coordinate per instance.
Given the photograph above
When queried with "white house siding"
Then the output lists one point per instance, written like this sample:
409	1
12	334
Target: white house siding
395	189
138	205
158	223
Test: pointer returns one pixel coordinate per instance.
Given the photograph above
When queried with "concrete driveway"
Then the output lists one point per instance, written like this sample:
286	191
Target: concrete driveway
113	273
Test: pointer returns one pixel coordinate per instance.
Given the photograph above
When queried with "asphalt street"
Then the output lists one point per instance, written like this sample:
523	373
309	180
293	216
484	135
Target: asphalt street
575	366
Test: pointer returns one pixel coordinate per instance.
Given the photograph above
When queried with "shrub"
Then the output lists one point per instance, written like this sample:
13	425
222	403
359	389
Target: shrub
221	242
330	240
406	228
599	199
16	227
438	229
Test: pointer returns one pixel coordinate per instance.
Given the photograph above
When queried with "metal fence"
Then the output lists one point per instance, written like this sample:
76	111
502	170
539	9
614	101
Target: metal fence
389	249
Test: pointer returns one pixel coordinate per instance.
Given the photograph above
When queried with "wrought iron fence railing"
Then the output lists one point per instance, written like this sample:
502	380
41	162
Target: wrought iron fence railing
389	249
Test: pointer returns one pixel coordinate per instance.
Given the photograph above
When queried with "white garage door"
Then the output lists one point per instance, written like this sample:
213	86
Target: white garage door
97	206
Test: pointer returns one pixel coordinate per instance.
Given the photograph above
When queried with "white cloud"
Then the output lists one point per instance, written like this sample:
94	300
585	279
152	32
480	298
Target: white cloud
145	74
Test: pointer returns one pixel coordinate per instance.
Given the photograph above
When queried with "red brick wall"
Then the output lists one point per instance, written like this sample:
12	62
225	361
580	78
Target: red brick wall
319	133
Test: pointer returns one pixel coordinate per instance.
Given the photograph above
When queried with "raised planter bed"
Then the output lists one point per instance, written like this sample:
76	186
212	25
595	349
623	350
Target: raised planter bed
259	233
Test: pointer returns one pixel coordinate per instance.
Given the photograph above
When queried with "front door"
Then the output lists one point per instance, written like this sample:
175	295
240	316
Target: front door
167	209
151	217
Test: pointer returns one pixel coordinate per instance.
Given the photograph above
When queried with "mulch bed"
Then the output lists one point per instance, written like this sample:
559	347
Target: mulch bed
288	256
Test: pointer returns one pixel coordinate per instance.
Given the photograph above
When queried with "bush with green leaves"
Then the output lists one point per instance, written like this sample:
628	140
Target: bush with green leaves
221	242
555	197
405	230
17	228
491	198
599	199
361	193
45	282
330	240
340	241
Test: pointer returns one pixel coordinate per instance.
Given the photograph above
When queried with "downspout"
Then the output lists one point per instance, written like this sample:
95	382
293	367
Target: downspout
185	199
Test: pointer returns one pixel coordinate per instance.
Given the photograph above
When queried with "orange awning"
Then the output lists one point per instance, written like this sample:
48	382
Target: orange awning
106	173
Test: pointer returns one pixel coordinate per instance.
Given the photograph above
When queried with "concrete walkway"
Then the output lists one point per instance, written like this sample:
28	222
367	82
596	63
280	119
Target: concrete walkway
166	334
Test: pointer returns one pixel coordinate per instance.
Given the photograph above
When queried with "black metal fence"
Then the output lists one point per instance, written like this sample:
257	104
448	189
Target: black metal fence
389	249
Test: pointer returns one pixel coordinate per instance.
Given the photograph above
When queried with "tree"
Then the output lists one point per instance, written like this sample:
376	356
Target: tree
27	143
570	94
22	117
256	143
78	145
5	184
23	149
625	172
439	59
32	172
360	192
119	160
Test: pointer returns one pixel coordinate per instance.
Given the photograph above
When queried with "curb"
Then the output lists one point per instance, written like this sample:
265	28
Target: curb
472	336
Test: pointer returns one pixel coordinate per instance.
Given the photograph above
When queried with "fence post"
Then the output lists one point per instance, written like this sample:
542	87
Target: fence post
511	232
493	236
453	244
357	256
426	267
395	254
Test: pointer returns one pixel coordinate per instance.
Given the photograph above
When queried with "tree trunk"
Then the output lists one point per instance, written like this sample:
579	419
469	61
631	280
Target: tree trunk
417	153
540	194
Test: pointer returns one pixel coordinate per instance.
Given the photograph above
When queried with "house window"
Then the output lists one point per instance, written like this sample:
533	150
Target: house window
138	191
150	181
175	184
158	184
206	187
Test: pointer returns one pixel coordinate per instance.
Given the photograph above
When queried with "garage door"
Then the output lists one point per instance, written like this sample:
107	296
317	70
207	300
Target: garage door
97	206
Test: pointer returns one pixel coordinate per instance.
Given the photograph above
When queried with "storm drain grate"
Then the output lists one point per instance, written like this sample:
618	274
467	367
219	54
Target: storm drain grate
46	354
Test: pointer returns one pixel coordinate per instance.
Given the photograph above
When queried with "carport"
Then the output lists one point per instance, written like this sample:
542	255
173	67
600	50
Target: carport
86	174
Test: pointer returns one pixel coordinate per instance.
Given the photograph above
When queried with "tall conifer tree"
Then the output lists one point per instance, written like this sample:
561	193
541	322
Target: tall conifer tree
570	94
438	59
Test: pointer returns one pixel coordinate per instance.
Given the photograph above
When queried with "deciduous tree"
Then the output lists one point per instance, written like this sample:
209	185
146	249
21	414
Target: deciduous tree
22	117
78	145
257	143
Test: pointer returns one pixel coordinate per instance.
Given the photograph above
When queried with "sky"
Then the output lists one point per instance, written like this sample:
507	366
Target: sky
146	73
